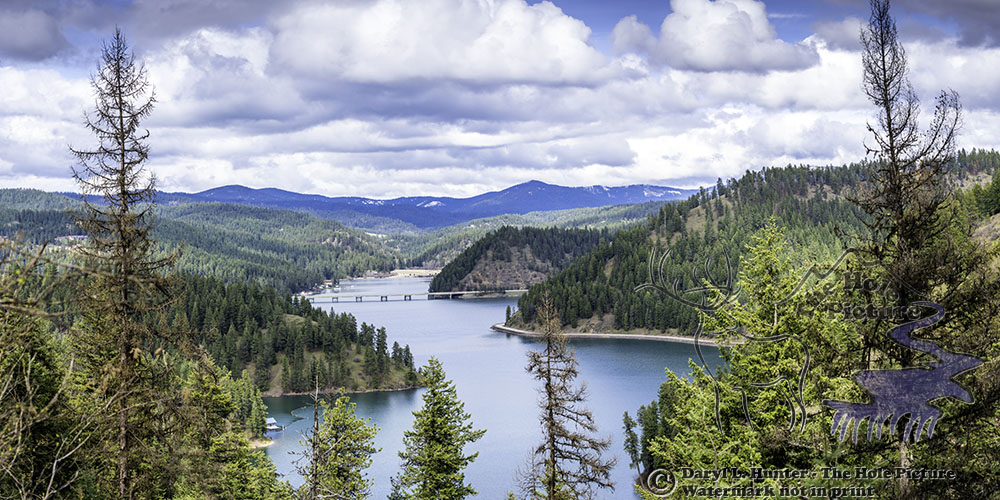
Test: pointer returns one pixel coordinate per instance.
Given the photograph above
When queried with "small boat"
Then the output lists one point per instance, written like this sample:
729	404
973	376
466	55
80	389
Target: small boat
272	425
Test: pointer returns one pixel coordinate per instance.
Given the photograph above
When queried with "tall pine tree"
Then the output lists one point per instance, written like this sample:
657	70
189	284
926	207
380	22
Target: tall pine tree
119	244
337	453
434	458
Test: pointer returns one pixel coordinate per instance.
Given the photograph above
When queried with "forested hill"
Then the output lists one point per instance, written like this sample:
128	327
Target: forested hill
285	343
437	248
288	250
515	258
596	292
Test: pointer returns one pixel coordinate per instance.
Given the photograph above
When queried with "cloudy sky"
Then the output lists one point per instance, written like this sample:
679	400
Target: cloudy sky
386	98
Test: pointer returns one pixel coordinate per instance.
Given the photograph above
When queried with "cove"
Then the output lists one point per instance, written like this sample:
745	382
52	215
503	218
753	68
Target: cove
488	370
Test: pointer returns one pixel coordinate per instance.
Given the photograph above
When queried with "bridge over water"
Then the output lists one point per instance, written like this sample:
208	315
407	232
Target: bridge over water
386	297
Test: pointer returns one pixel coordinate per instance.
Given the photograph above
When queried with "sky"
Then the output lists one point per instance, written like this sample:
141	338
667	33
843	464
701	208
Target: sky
387	98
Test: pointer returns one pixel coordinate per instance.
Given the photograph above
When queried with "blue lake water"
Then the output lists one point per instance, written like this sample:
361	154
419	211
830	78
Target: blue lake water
488	370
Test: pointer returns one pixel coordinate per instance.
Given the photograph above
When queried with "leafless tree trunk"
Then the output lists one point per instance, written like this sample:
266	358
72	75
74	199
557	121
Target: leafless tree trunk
907	184
570	463
119	230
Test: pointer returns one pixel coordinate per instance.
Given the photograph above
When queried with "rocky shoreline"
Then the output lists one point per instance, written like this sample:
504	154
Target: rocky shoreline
627	336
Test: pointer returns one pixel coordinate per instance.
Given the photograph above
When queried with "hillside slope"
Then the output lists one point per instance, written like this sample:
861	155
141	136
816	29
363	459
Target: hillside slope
287	250
437	248
597	292
515	258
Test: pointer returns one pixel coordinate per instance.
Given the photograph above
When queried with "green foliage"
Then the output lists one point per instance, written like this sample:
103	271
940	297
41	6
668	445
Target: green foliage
38	427
263	328
631	443
986	198
286	250
220	463
437	248
434	459
334	467
599	286
283	249
248	405
680	429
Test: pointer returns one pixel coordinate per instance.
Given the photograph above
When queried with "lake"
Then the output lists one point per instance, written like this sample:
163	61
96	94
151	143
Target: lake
488	370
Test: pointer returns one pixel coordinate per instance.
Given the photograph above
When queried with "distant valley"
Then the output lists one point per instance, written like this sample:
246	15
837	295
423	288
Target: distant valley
292	241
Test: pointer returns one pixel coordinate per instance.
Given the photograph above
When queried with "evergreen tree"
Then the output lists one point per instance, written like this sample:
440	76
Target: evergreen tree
632	447
120	245
381	349
434	460
568	464
754	423
40	432
338	452
219	462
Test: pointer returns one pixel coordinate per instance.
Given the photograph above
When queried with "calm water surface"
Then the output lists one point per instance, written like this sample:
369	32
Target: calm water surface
488	370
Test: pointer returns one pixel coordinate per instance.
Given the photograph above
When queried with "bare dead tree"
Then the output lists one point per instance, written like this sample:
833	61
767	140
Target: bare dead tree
119	241
568	464
916	234
906	182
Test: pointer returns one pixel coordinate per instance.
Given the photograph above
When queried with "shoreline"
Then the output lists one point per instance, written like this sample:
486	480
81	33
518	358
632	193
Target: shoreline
399	273
267	394
260	443
617	336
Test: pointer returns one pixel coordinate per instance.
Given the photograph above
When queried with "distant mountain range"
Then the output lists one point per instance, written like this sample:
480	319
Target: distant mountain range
430	212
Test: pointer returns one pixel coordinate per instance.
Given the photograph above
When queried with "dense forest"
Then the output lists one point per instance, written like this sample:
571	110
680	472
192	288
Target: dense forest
437	248
287	343
515	258
284	249
596	292
228	300
236	243
121	377
597	289
857	309
882	358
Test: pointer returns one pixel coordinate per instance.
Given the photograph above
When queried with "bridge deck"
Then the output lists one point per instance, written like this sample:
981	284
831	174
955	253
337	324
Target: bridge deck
359	297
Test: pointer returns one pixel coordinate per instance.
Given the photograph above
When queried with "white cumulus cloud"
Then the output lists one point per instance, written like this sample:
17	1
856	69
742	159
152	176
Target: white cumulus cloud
469	40
715	35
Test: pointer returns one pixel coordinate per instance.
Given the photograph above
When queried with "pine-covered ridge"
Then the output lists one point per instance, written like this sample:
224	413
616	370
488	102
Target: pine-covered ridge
515	258
236	243
285	343
596	293
280	248
435	249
